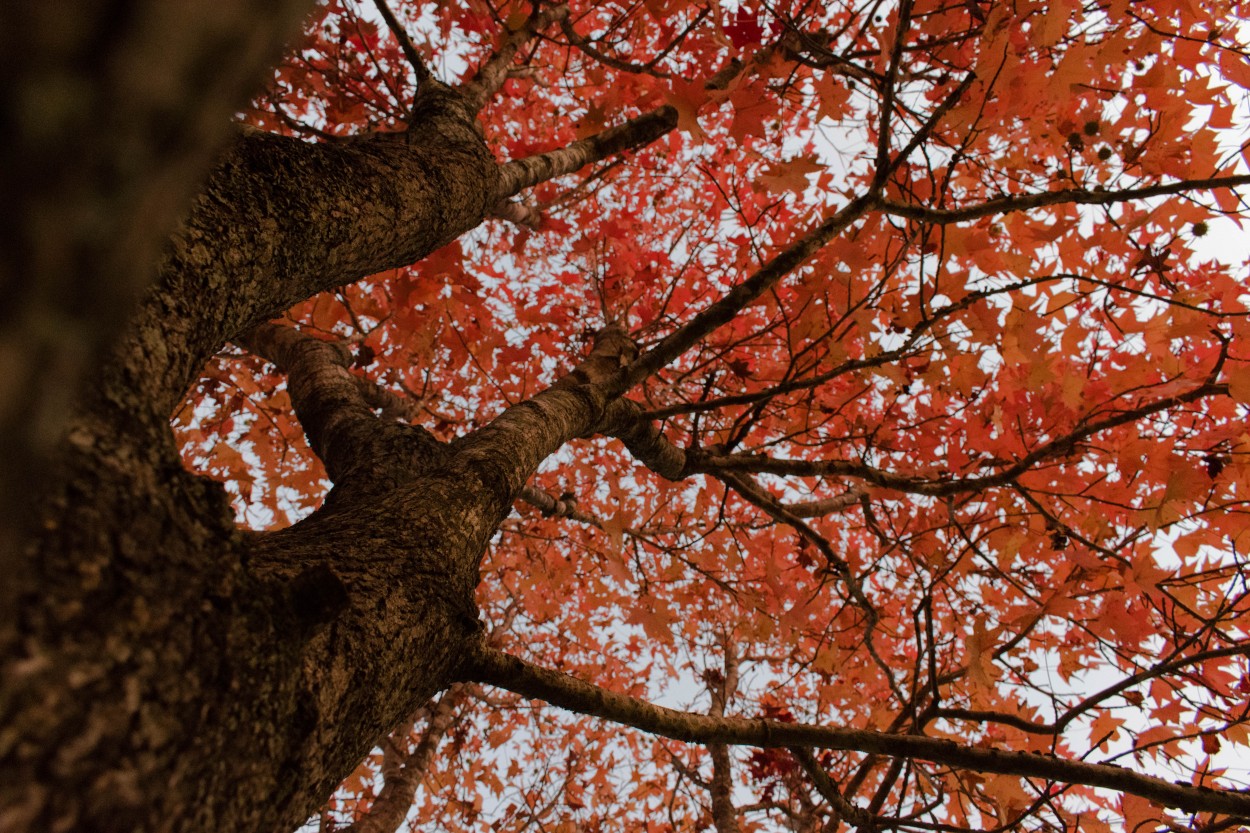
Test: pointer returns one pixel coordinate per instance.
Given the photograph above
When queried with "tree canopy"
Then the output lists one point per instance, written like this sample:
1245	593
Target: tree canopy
910	488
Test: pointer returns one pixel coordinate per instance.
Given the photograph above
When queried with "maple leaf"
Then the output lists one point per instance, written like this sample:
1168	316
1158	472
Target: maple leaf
860	372
792	174
687	98
745	29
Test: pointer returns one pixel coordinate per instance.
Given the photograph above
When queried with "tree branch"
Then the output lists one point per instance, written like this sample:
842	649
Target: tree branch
722	686
648	68
888	90
327	397
1066	196
843	809
419	68
713	463
726	308
561	507
391	806
517	213
491	74
499	669
282	219
636	132
390	404
757	496
624	420
520	174
848	366
735	300
508	450
780	389
1061	722
826	506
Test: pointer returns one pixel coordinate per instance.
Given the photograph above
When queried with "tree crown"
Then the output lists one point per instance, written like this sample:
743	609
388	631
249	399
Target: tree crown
935	411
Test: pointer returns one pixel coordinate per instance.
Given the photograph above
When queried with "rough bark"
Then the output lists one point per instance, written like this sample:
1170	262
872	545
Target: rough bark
164	671
161	669
169	672
174	674
112	114
722	687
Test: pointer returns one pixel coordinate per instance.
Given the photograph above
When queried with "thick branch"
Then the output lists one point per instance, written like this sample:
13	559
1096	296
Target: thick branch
508	672
624	420
757	496
825	506
326	396
517	213
508	450
390	404
491	75
517	175
791	513
281	220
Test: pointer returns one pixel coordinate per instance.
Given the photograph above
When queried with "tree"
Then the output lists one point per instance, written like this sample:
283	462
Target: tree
848	370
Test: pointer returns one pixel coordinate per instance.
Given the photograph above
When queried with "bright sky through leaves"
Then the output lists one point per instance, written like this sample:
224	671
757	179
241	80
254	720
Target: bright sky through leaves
986	365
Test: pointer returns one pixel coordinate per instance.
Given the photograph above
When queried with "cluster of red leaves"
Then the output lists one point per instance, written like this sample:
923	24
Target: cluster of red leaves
1098	589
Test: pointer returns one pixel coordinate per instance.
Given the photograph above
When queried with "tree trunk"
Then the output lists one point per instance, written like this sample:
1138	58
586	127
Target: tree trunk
112	111
166	671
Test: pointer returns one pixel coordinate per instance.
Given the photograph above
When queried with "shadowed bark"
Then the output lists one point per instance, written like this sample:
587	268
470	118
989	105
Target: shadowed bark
293	652
161	670
395	799
112	114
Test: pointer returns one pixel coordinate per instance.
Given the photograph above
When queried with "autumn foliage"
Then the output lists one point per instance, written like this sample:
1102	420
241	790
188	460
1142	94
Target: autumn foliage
929	309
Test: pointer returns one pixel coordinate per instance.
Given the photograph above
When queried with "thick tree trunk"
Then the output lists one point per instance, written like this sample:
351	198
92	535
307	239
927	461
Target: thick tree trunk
159	669
112	114
165	671
178	675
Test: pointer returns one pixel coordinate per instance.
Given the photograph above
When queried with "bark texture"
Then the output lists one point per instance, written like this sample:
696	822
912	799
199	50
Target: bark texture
722	686
159	669
164	671
112	114
204	678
